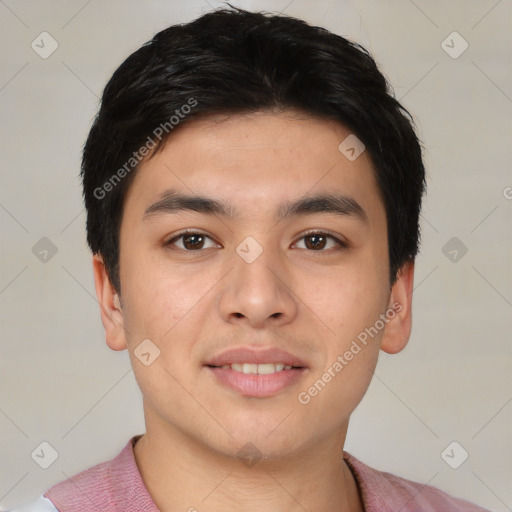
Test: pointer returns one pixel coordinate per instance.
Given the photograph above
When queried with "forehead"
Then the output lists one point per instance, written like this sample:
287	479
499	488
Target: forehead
257	160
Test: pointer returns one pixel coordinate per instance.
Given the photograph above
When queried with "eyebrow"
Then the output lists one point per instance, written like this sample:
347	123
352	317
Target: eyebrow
172	201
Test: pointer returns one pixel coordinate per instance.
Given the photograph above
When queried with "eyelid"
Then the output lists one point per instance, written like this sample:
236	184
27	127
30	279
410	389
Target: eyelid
189	231
318	231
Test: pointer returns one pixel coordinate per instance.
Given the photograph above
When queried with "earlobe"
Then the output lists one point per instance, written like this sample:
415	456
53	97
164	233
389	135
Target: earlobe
398	329
110	306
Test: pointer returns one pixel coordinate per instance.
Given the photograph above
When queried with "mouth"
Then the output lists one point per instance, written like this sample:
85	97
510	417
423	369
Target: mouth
257	369
257	373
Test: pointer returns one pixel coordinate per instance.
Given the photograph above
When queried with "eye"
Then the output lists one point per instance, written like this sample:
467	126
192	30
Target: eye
319	240
190	241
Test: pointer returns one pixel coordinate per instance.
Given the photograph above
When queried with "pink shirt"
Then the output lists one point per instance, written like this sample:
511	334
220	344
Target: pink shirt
117	485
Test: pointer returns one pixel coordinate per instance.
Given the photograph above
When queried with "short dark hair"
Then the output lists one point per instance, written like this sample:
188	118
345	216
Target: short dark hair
233	61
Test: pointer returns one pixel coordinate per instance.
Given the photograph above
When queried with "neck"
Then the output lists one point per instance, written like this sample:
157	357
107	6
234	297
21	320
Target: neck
180	473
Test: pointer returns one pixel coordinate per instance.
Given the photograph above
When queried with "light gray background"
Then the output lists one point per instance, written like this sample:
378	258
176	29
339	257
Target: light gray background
59	381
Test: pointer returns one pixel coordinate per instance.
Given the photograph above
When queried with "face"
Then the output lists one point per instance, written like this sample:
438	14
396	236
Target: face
252	314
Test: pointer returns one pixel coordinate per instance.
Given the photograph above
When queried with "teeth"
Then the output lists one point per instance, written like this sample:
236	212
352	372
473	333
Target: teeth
250	368
266	368
257	369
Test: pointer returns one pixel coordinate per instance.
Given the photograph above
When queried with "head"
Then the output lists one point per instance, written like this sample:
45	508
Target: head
251	131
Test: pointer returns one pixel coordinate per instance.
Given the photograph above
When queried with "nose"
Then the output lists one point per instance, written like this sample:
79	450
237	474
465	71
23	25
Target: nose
258	293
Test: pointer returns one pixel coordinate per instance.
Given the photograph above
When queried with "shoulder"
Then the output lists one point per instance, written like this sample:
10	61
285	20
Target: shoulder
115	484
90	486
383	491
41	504
100	485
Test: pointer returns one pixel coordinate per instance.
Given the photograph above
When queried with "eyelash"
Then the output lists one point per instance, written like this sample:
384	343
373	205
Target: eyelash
341	244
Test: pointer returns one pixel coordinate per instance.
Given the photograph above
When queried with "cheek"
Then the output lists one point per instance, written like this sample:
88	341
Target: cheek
348	303
162	308
169	307
159	295
347	357
347	300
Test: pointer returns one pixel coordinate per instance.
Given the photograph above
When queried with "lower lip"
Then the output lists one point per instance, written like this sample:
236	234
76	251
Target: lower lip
256	385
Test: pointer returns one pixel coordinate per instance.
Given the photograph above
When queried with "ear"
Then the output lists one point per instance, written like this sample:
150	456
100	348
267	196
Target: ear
398	328
110	306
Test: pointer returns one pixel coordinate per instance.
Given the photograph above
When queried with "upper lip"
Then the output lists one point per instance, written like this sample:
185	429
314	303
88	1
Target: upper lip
253	356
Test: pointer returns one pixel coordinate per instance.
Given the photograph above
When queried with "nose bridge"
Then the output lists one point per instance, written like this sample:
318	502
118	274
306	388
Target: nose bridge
256	289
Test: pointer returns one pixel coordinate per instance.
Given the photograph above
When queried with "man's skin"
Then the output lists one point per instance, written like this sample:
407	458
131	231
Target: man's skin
307	297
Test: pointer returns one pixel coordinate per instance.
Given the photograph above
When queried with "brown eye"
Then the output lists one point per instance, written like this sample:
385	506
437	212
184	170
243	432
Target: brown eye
190	241
193	241
318	241
315	241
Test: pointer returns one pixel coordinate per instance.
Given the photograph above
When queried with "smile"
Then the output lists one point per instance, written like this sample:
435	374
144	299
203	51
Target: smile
257	369
256	372
257	380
